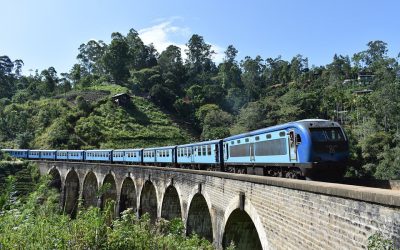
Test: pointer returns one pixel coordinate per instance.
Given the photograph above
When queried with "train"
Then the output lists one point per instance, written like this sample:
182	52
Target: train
307	149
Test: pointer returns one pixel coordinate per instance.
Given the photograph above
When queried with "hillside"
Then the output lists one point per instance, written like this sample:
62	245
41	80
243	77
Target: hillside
89	119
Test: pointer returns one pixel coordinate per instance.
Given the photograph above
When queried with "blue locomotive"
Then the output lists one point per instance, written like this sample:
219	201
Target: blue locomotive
313	149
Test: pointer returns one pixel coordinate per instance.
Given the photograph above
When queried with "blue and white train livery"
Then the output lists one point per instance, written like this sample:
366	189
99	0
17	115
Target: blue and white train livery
314	148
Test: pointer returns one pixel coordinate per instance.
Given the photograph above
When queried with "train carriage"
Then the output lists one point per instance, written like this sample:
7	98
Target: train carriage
165	155
149	155
127	155
200	153
74	155
104	155
17	153
46	154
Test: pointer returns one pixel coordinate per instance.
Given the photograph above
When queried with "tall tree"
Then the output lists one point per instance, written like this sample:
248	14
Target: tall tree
90	55
116	58
199	60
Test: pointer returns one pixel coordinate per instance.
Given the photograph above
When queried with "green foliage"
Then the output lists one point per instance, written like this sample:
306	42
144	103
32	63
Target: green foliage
378	242
216	125
36	223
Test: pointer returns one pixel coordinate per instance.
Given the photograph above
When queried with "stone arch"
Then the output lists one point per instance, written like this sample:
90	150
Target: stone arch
171	206
71	193
148	201
241	230
90	189
128	196
110	193
199	218
251	211
55	179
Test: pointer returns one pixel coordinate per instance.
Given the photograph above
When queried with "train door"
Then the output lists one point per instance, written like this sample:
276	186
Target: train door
292	146
191	154
216	152
226	151
252	156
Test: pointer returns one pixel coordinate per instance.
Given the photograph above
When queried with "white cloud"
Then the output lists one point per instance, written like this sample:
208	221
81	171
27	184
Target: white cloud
166	33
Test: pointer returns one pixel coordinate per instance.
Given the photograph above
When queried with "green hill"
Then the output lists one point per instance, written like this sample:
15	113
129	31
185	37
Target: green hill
89	119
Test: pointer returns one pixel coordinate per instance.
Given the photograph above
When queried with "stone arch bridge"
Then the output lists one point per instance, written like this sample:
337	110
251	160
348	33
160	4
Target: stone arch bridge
253	211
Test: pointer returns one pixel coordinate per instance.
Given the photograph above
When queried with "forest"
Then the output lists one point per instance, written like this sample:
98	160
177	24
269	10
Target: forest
181	96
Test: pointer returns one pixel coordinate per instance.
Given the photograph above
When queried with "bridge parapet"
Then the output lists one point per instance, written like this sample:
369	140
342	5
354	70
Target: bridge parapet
256	212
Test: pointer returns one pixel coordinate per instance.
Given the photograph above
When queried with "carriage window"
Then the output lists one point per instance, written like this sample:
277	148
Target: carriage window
238	141
209	149
269	136
282	134
257	138
246	140
232	142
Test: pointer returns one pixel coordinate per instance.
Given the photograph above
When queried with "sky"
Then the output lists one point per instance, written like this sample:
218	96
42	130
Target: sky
46	33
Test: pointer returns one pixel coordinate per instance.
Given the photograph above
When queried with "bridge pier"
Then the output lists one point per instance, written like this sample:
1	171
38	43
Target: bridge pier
255	212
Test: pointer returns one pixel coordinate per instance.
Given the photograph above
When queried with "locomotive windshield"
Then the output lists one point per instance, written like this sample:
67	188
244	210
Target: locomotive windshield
326	135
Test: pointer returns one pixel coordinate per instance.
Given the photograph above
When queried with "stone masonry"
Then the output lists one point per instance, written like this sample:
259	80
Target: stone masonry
253	211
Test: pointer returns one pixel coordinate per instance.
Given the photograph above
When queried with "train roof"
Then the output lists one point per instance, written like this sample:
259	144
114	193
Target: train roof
127	149
200	143
306	123
42	150
10	149
156	148
99	150
72	150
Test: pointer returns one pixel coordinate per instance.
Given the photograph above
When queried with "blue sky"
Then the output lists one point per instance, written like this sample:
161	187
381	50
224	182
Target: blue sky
46	33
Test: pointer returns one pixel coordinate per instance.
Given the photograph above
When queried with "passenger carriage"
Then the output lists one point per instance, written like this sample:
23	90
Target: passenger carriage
17	153
127	155
161	155
200	154
71	155
104	155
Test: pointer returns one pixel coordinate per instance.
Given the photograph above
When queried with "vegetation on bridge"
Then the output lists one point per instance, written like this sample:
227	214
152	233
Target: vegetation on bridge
176	99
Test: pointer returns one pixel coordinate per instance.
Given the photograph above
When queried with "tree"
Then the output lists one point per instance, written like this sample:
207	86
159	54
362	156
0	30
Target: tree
216	125
50	80
252	76
90	55
199	61
116	58
251	117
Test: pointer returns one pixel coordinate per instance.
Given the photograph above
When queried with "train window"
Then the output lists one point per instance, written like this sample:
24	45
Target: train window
271	147
238	141
257	138
268	136
246	140
282	133
232	142
209	149
298	139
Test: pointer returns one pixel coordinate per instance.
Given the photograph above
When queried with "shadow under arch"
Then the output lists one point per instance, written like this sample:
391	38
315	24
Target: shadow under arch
171	205
71	193
55	179
90	190
109	191
241	230
128	196
148	201
199	218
